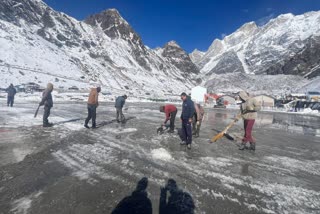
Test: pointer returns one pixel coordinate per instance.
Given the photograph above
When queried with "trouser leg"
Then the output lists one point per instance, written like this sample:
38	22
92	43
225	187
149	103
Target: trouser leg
198	129
46	115
94	115
194	124
187	131
8	101
172	119
248	126
89	116
118	113
183	132
121	115
12	101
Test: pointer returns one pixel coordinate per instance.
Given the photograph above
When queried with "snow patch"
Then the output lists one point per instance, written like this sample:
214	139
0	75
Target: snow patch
121	131
22	205
161	154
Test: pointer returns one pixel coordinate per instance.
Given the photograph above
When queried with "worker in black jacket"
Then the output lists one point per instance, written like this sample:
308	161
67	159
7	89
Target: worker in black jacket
186	119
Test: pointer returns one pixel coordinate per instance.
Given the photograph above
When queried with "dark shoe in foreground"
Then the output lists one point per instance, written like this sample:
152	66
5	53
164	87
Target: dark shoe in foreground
189	146
171	131
242	146
85	125
252	146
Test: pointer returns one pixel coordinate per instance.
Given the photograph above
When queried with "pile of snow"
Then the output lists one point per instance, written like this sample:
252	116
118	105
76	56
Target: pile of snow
161	154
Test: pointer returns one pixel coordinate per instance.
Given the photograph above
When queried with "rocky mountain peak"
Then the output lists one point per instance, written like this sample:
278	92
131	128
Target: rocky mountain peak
28	10
244	32
113	25
196	55
248	27
172	44
180	58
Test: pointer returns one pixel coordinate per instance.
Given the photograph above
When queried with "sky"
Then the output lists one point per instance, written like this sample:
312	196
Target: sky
192	24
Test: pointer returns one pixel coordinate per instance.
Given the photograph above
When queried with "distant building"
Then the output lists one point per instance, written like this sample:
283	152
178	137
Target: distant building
313	95
265	100
198	94
296	96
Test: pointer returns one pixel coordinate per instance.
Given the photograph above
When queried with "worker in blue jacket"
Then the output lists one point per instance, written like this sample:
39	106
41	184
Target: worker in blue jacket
186	119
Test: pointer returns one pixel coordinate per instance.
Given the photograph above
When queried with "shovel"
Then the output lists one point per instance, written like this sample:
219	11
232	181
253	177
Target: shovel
36	113
160	130
224	132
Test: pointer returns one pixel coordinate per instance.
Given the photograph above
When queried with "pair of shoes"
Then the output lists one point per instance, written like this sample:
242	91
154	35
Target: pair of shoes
242	146
189	146
85	125
183	143
252	146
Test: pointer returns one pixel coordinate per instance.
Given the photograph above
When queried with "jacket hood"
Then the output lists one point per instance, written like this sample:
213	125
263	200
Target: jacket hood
243	95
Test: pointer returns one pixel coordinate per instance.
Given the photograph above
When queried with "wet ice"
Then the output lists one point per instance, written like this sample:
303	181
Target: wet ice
280	177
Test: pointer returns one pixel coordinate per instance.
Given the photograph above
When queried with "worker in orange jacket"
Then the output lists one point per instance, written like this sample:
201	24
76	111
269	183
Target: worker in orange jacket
92	107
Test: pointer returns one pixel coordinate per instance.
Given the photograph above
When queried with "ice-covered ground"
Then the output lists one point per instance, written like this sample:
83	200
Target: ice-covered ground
69	169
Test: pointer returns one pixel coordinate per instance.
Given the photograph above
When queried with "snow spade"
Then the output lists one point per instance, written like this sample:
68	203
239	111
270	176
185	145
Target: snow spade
36	113
224	132
160	130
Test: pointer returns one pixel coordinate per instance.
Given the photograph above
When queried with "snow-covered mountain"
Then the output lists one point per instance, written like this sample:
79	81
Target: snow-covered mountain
39	45
287	45
196	55
180	58
268	49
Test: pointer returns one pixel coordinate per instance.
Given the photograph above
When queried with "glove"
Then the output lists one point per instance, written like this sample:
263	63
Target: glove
198	123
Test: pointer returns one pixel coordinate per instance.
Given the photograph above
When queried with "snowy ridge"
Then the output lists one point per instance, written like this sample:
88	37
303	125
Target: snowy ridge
287	45
107	53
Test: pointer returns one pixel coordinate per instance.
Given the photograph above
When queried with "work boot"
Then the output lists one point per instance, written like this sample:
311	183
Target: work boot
252	146
86	125
189	146
242	146
48	125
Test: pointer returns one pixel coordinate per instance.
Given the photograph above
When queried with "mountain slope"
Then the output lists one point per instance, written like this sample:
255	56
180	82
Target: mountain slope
196	55
286	45
269	49
103	49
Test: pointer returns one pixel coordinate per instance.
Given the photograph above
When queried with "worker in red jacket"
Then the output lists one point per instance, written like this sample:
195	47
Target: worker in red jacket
171	112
